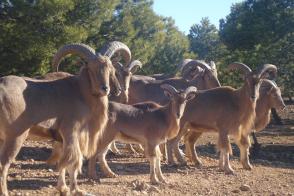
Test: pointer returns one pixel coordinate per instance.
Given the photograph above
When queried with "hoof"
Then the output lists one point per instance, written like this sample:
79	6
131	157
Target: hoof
229	171
111	175
154	181
198	165
247	166
64	191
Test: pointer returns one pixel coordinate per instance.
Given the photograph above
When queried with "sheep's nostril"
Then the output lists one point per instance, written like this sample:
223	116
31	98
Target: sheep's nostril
104	88
178	115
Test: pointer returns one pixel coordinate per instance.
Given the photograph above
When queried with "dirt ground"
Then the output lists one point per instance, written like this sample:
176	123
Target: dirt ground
273	172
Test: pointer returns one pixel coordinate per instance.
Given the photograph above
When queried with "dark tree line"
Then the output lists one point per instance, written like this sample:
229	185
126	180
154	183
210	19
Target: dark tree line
254	32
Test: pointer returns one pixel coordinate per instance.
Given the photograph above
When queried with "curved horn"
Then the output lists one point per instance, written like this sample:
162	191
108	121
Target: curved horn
135	63
267	68
118	65
182	65
112	48
268	83
190	90
169	88
194	63
244	68
212	65
82	50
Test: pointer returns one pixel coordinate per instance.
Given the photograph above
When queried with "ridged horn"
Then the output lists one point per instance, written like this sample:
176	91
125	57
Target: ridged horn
135	63
212	65
182	64
244	68
191	89
268	84
267	68
112	48
169	88
82	50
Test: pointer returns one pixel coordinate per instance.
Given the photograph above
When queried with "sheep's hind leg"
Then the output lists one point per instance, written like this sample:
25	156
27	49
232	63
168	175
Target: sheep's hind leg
103	164
131	149
9	150
113	148
61	184
55	154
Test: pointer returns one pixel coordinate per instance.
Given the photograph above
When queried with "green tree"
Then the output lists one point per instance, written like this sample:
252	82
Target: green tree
31	31
205	41
261	31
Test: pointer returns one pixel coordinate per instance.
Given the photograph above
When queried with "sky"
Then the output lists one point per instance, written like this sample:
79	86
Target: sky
189	12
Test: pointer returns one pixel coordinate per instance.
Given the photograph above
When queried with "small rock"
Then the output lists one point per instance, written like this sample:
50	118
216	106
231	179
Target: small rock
136	192
235	191
32	160
50	170
18	194
18	177
139	186
245	187
50	186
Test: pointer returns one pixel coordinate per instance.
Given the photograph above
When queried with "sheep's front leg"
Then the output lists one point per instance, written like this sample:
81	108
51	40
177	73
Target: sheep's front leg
225	151
244	145
158	166
9	150
61	184
153	176
221	162
72	158
73	175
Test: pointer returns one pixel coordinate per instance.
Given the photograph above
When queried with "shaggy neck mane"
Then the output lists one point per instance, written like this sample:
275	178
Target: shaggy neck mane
247	109
263	112
98	105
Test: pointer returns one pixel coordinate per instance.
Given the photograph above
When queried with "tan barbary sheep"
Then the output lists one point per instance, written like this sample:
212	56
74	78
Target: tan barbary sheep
148	124
269	97
227	111
74	101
